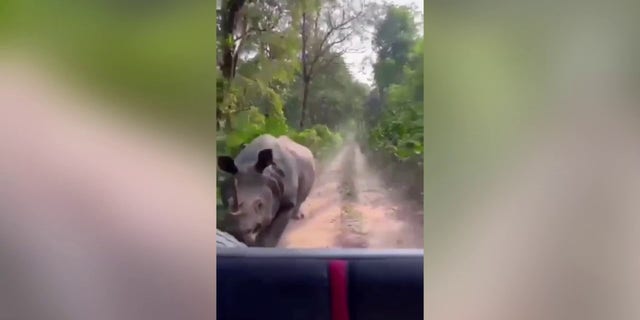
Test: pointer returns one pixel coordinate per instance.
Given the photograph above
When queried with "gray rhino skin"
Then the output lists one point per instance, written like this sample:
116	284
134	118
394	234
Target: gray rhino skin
292	166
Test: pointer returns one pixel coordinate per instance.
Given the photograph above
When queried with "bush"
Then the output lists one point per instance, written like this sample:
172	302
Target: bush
248	126
251	124
319	139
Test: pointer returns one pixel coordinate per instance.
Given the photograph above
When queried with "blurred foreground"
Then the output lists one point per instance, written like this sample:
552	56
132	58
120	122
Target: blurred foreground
100	218
106	187
533	179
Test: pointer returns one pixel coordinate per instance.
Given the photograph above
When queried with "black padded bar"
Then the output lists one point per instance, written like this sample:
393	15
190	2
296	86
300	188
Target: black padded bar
273	283
279	289
385	289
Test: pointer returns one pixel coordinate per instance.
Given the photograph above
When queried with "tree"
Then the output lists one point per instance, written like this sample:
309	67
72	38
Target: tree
227	25
394	38
325	27
257	50
400	129
334	95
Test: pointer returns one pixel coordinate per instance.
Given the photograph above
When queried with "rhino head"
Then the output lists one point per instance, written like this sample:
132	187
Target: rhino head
252	195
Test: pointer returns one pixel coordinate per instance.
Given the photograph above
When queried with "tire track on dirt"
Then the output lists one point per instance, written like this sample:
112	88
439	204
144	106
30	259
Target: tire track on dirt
352	233
351	207
391	220
320	225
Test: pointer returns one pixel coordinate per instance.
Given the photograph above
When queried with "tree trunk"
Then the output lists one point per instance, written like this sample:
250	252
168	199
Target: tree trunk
227	123
229	56
305	70
228	26
219	101
305	94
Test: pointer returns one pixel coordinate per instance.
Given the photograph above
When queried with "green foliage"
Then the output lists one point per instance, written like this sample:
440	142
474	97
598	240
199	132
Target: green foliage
266	65
394	38
250	124
400	130
395	121
319	139
394	127
334	97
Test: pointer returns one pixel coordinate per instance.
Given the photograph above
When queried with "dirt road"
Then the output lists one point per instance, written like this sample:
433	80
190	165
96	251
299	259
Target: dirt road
351	207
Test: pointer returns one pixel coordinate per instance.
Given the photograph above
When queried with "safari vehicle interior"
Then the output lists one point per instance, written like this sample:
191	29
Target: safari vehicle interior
338	284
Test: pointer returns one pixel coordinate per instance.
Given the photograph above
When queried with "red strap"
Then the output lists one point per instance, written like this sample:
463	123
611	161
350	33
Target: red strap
338	281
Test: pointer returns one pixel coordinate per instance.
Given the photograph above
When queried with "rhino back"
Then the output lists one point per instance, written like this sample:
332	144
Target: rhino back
304	162
300	152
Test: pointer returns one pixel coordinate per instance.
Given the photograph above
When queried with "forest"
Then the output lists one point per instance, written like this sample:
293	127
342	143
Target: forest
282	70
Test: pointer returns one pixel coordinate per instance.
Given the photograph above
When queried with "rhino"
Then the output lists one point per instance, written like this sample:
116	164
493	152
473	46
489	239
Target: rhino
269	177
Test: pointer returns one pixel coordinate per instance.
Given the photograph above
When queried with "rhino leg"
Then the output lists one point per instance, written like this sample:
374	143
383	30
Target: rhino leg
294	210
304	188
290	209
296	213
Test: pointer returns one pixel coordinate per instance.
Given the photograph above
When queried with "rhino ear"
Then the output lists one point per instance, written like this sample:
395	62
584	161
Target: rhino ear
265	158
226	164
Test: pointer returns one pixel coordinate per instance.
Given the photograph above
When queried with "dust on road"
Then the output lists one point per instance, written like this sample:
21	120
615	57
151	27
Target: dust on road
351	207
